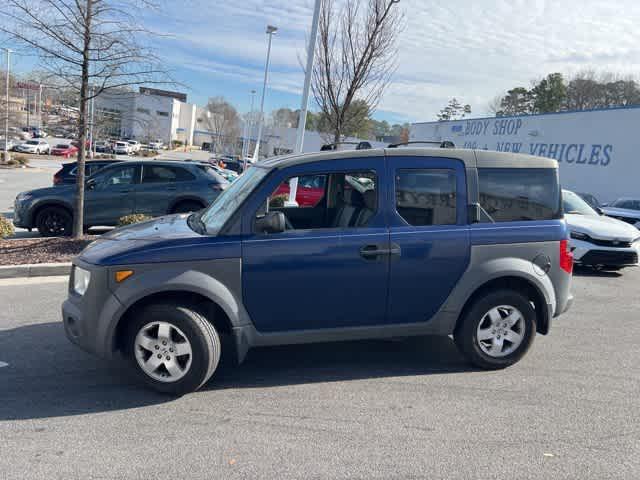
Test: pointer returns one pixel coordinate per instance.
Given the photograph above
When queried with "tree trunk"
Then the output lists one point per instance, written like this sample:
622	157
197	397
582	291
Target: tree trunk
78	218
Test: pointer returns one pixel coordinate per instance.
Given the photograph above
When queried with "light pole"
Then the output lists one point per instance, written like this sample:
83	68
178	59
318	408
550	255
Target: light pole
6	118
247	129
270	31
302	120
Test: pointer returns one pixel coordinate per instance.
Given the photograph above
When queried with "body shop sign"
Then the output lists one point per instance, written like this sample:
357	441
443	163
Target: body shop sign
506	135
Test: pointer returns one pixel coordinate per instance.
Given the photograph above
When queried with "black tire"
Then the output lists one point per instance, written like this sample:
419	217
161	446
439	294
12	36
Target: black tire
54	222
202	336
187	206
466	336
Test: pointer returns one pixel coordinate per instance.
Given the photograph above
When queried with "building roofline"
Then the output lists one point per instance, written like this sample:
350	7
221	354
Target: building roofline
589	110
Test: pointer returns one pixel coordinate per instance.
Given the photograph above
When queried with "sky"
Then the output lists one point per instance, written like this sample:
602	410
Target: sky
469	49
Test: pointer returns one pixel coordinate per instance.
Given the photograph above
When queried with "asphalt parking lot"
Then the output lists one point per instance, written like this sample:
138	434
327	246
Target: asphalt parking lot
383	409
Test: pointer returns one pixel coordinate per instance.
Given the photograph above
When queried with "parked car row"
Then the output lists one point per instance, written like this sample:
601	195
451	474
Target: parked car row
147	187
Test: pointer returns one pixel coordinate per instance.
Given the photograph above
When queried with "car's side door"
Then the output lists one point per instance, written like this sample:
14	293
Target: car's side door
161	185
332	272
110	194
429	226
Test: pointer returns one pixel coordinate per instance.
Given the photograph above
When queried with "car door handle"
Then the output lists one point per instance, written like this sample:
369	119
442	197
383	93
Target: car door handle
171	189
125	191
373	251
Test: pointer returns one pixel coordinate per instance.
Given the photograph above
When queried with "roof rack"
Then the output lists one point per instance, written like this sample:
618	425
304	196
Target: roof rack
334	146
443	144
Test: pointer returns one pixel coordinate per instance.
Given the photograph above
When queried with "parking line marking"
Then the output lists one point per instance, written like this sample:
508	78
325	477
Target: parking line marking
3	364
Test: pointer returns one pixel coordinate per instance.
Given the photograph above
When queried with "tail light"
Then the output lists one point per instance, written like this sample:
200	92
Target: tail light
566	256
57	178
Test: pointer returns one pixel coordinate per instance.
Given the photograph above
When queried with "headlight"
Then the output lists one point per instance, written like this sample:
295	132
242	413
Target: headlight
579	236
23	197
81	280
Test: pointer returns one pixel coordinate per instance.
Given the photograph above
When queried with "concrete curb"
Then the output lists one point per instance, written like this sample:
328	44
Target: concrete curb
35	270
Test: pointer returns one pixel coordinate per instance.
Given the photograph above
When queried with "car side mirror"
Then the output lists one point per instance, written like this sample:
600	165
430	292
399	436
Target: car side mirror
91	184
271	222
599	210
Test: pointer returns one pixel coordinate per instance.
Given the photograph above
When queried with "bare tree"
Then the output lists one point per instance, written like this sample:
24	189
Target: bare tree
223	122
89	45
355	57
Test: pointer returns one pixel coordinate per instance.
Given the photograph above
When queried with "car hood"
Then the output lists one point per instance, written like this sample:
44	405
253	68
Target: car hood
161	240
623	212
162	228
56	191
601	227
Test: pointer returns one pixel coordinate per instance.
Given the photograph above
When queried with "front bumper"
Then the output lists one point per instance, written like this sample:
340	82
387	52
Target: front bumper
88	319
585	253
21	217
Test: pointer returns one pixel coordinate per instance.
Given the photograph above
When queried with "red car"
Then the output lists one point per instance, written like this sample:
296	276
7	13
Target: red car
64	150
310	190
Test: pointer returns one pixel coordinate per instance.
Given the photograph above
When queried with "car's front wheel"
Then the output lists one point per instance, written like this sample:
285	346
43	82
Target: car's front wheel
54	222
497	330
173	348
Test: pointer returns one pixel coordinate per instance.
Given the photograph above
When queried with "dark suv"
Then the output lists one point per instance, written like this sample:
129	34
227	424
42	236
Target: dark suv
401	242
147	187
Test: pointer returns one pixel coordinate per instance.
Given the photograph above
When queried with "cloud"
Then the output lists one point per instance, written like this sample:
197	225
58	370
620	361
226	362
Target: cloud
464	48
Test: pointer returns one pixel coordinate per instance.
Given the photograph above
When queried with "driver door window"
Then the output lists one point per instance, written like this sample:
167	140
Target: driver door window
336	200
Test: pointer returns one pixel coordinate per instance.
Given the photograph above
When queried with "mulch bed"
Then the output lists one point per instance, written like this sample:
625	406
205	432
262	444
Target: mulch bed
41	250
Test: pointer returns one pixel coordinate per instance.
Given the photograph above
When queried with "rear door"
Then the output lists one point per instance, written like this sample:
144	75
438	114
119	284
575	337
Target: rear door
429	232
161	186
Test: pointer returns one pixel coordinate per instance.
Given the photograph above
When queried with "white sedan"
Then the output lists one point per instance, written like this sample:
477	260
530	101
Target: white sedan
599	241
34	146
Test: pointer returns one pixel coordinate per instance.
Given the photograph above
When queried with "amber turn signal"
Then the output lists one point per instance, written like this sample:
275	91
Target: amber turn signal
122	275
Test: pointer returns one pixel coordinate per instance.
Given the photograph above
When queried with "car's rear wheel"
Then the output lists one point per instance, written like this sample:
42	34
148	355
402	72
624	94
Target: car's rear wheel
173	348
187	207
54	222
497	330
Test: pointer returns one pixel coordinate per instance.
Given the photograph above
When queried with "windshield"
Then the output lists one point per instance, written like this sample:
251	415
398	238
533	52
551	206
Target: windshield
32	142
572	203
217	214
62	145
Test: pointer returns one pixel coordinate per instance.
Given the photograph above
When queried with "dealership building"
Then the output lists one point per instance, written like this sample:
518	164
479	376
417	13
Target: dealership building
151	114
597	150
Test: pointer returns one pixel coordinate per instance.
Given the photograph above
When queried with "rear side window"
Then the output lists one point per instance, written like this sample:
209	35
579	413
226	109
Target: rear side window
426	196
520	194
163	174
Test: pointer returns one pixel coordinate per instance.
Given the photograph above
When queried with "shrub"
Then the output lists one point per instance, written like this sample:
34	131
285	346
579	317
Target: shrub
278	201
177	143
6	227
21	159
131	219
12	162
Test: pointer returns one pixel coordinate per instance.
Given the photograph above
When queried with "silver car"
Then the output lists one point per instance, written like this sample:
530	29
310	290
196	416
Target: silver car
625	209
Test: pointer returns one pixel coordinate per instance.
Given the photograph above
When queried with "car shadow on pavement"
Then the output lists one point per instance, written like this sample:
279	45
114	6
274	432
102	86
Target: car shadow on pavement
342	361
49	377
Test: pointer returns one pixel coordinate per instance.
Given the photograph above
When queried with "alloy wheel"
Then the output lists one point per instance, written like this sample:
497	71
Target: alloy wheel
501	331
163	351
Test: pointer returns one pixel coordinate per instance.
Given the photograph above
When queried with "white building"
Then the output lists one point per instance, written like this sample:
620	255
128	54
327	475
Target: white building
151	114
597	150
